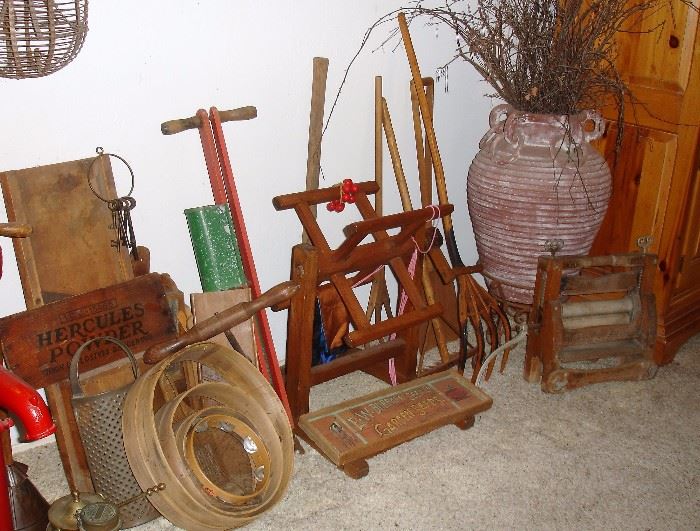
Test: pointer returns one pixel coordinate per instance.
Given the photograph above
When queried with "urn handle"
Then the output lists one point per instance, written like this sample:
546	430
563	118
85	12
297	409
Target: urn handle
598	125
501	127
497	112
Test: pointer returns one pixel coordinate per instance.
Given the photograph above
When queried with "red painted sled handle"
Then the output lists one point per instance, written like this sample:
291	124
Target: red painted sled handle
172	127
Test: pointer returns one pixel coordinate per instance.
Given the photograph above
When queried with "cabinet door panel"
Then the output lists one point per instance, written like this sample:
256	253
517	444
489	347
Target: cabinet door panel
642	170
655	59
689	274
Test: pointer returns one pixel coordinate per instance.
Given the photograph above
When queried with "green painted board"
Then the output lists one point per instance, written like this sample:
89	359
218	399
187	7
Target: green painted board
215	248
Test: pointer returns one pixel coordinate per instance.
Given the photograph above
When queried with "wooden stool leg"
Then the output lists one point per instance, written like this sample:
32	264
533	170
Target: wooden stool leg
356	469
300	329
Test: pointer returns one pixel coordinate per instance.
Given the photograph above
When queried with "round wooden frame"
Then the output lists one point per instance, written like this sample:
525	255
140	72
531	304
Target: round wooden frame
158	420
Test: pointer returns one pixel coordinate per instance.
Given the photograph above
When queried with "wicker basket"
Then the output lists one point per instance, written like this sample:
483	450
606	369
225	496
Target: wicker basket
40	36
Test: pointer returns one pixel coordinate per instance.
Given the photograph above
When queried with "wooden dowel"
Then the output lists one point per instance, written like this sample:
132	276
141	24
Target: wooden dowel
378	143
318	100
314	197
396	159
385	328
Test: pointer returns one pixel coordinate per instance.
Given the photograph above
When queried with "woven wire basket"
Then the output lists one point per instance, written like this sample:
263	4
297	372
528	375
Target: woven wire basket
40	37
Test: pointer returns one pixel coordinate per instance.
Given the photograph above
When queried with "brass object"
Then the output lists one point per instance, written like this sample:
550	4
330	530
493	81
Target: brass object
62	512
99	516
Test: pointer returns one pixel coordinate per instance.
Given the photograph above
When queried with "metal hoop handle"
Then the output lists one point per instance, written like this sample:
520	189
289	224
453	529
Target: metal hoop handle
101	153
76	388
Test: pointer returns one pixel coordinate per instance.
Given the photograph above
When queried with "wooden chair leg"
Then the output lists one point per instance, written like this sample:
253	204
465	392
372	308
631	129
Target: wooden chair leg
299	333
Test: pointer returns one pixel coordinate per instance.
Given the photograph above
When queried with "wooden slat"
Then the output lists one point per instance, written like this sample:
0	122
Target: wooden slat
206	305
395	324
355	360
70	225
571	354
614	282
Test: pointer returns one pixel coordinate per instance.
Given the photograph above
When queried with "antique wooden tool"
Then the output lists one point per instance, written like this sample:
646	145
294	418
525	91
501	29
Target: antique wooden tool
436	324
67	232
337	431
595	326
478	311
223	187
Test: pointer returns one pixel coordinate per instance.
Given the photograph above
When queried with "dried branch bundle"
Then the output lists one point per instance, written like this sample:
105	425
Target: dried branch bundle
544	56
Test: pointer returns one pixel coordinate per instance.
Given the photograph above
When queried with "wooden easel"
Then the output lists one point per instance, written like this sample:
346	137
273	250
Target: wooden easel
353	263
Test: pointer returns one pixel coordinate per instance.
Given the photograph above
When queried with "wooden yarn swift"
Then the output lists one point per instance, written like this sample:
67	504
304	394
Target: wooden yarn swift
336	431
478	310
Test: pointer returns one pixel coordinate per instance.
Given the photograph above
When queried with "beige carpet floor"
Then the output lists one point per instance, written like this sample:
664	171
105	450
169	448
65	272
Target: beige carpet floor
622	455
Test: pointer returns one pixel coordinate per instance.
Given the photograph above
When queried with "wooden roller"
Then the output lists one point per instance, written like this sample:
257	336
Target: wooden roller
221	322
598	313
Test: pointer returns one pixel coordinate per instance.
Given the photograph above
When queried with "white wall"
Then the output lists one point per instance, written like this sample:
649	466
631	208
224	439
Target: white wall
147	62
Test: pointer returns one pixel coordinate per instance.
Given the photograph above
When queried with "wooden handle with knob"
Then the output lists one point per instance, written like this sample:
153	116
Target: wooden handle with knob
15	230
221	322
193	122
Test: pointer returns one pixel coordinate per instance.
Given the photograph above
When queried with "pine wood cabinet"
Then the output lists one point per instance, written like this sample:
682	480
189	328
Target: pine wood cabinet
656	179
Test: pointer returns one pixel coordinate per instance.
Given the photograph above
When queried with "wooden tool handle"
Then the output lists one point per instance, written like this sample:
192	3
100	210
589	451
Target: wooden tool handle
193	122
15	230
221	322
